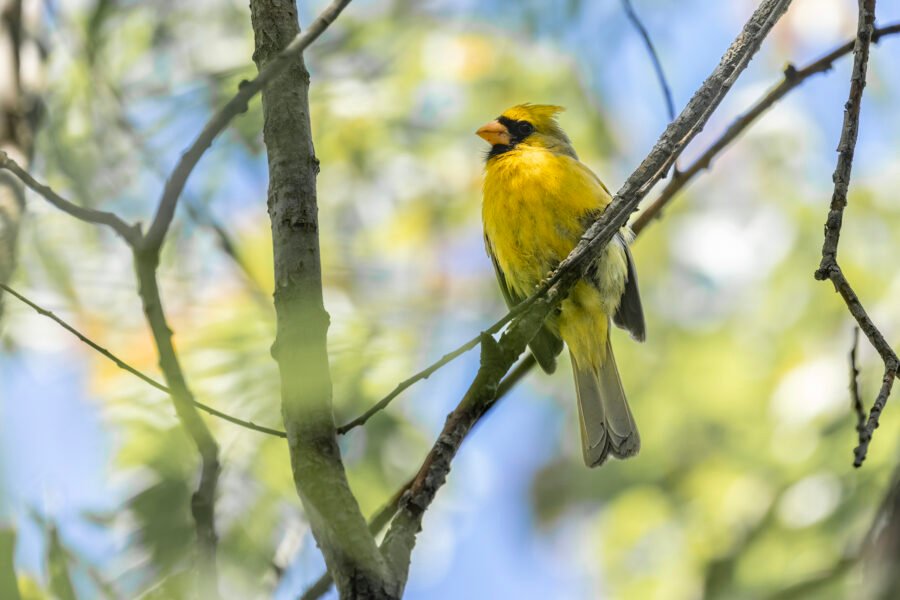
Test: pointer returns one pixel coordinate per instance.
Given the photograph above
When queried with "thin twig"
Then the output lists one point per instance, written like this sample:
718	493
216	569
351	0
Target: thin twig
130	233
654	57
137	373
219	121
657	64
430	369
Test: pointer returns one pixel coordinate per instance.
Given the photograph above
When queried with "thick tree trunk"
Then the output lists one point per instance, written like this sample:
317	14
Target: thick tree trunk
300	346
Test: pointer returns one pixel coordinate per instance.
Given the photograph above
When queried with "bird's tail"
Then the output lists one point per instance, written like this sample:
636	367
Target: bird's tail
607	426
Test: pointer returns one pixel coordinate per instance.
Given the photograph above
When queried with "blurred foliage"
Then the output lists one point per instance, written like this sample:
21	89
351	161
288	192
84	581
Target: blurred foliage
743	486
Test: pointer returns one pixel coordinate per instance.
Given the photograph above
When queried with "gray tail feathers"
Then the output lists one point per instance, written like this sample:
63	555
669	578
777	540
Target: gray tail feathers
607	426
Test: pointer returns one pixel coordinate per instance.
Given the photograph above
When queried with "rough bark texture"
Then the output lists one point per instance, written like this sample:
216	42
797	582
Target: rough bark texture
300	346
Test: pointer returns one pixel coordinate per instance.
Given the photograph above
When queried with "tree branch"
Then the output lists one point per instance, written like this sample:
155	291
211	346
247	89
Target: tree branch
237	105
654	57
146	250
19	118
126	367
130	233
146	262
429	370
849	135
203	500
497	358
828	267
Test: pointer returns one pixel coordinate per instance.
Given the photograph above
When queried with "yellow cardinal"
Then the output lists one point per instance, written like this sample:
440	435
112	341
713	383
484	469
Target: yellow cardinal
538	201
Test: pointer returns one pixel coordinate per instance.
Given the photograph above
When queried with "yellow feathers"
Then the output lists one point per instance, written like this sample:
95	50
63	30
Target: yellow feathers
538	201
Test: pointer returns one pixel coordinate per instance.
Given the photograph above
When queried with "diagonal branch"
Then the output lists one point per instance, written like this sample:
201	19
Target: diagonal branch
430	369
498	357
793	78
130	233
654	59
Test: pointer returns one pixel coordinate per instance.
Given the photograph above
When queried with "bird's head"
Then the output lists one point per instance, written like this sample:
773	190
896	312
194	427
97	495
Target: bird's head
530	125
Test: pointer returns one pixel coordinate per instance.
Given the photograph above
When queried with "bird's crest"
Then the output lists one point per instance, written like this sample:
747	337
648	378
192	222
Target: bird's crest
542	116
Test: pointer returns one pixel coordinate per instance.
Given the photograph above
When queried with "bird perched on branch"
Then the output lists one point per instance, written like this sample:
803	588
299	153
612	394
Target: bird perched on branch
538	201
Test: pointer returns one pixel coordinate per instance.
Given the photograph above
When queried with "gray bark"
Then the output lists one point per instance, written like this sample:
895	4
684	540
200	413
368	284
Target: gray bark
300	346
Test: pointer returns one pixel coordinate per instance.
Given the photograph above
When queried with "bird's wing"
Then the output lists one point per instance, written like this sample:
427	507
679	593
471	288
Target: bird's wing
630	314
544	346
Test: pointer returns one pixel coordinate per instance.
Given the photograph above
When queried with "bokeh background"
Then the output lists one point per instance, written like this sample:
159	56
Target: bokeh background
744	486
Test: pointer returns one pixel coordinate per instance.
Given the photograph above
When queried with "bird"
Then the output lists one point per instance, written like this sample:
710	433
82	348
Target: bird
538	200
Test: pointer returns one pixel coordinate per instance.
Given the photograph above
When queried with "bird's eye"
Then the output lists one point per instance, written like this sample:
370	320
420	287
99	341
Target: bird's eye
524	129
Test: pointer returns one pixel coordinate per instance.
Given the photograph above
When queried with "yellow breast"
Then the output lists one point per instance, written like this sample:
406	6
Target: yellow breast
536	206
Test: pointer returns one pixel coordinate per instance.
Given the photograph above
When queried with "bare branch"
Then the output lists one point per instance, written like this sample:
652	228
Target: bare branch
130	233
793	77
196	211
828	267
137	373
849	135
429	370
237	105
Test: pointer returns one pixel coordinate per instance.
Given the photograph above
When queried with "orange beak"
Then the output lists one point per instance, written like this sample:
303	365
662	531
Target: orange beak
494	133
